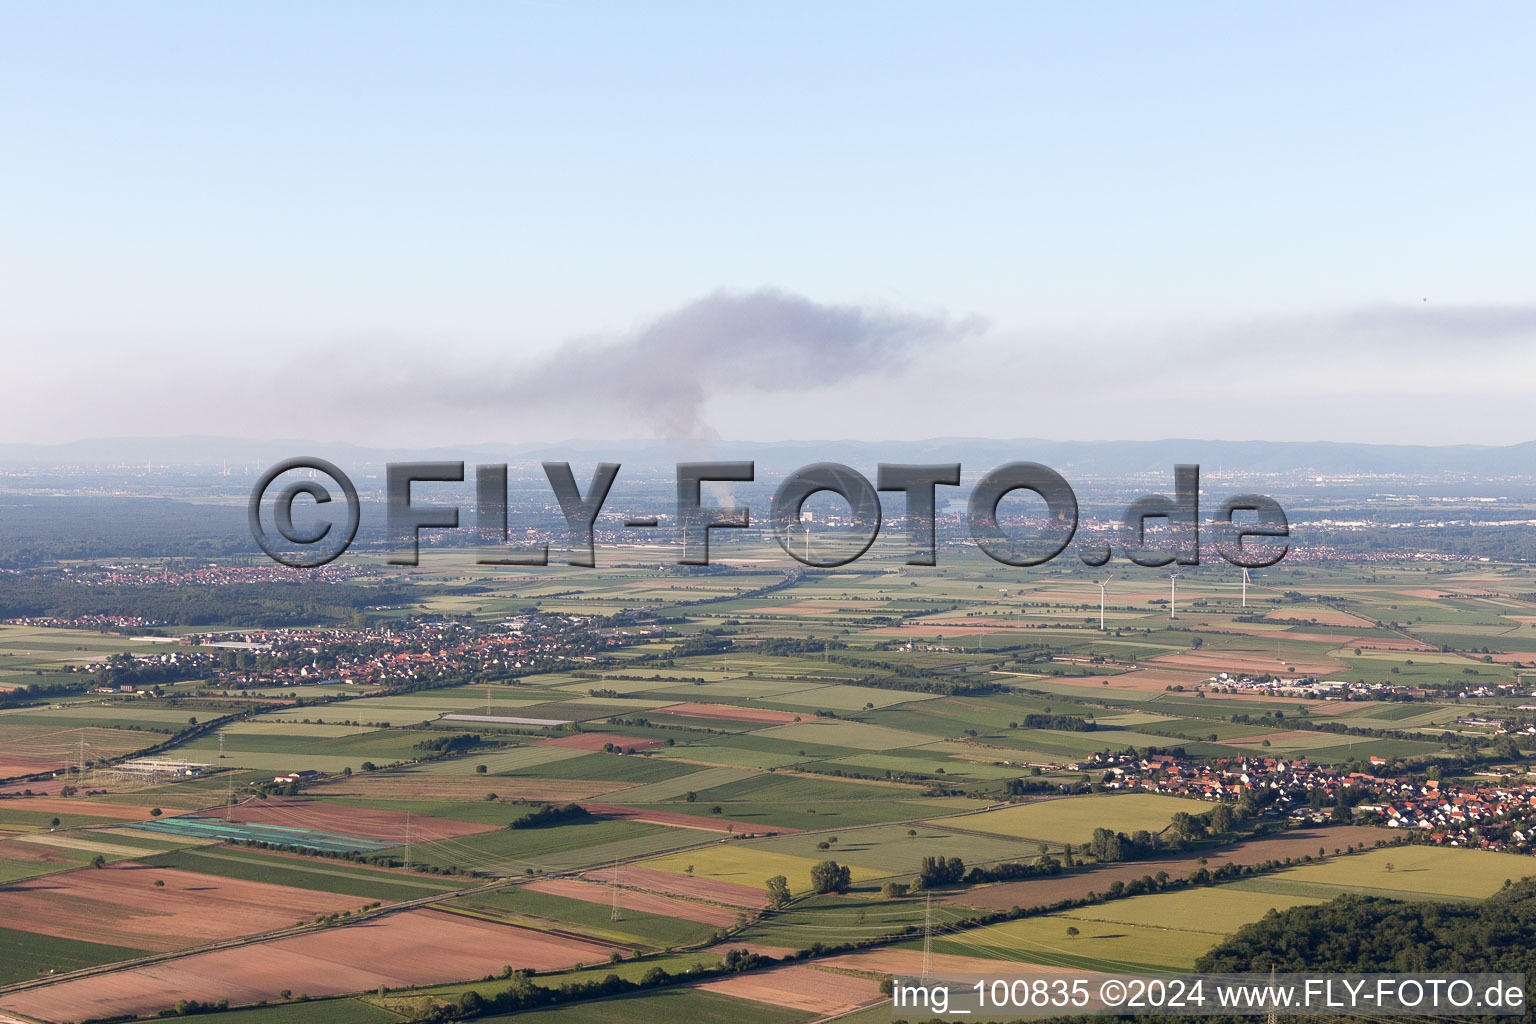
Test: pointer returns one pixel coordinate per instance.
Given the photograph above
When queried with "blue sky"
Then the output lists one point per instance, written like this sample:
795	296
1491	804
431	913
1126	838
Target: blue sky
204	199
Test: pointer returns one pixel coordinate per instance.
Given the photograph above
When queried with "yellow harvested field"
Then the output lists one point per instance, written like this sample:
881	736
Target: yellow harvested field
740	864
1432	870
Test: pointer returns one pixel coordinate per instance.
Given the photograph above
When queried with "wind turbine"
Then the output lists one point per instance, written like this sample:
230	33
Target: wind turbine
1245	588
1173	594
1101	601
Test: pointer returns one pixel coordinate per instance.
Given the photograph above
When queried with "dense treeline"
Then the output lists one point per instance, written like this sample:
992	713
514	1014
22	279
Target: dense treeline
38	691
40	530
1110	847
250	604
551	814
451	744
1068	723
946	687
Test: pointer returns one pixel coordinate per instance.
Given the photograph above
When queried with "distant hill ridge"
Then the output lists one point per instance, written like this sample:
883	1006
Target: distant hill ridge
1106	458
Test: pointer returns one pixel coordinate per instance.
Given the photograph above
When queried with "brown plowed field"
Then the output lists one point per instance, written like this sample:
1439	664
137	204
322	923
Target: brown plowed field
413	948
1150	679
10	766
31	853
367	822
64	805
799	988
1045	891
635	899
693	821
727	712
681	885
121	906
1211	662
595	741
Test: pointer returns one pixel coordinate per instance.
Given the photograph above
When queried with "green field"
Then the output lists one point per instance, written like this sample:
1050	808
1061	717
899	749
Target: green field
837	919
25	955
559	848
307	873
314	1011
548	911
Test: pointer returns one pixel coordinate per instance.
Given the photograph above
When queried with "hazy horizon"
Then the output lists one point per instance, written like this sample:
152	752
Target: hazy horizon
420	225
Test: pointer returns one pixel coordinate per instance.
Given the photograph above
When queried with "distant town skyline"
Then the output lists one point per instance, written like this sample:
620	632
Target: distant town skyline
401	225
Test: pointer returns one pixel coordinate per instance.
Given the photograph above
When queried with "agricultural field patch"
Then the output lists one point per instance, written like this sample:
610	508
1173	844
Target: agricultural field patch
641	929
1040	892
633	899
891	850
551	848
1097	946
749	865
158	908
699	780
855	735
414	948
849	698
25	955
306	873
666	1006
1218	910
798	987
685	886
1073	819
388	826
1430	870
